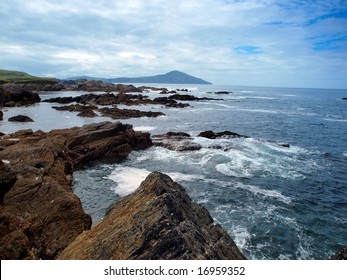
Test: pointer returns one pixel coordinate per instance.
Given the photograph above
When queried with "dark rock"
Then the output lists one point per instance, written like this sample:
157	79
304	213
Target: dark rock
223	92
167	102
341	254
224	134
1	115
87	113
344	98
176	141
116	113
20	118
187	97
39	213
157	221
11	96
75	108
92	85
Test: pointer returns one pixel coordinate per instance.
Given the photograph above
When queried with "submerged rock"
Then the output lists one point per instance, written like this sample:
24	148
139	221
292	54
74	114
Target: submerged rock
20	118
39	213
157	221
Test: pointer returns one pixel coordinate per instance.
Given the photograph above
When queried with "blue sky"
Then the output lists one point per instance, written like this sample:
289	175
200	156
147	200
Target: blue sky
227	42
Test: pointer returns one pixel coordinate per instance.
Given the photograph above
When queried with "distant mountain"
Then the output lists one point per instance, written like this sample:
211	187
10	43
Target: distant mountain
173	77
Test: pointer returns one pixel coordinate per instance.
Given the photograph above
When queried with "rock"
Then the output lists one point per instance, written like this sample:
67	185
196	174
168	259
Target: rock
39	213
187	97
223	92
14	95
87	113
167	102
176	141
92	85
157	221
224	134
20	118
75	108
344	98
116	113
341	254
1	115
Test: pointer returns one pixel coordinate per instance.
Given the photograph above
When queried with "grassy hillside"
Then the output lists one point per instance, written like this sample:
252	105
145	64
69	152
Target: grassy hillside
20	77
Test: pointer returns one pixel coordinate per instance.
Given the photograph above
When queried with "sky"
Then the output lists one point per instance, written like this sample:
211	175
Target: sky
226	42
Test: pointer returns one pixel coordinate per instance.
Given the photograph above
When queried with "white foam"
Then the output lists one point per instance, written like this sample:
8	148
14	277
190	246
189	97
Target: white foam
128	179
176	176
345	154
269	193
145	128
6	161
242	236
334	120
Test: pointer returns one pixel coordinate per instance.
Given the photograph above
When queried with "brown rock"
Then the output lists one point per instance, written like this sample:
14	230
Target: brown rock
157	221
224	134
117	114
39	213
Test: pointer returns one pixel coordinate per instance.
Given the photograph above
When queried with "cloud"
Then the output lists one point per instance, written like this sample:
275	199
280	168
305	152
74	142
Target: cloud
265	42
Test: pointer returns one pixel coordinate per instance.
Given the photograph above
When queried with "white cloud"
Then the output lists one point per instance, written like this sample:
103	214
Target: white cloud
133	37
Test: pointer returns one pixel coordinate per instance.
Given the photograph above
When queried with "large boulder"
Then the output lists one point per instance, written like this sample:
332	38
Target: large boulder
12	95
176	141
20	118
39	213
157	221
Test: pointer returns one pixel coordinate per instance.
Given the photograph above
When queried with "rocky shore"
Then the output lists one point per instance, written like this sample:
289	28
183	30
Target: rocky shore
39	213
41	217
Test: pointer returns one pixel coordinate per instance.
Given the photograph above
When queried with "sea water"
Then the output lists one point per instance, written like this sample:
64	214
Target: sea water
276	202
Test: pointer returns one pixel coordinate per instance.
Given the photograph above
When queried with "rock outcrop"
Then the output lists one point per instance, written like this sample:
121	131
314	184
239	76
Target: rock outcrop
224	134
176	141
17	96
157	221
39	213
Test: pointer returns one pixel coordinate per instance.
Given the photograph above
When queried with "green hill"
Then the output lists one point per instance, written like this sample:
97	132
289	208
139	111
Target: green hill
7	76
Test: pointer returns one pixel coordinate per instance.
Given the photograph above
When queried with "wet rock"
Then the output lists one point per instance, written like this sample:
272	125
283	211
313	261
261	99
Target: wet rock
1	115
167	102
87	113
188	97
176	141
224	134
39	213
20	118
341	254
223	92
157	221
74	108
11	96
116	113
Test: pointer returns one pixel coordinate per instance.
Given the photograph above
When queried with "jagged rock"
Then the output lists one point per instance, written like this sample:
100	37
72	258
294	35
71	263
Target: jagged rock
224	134
176	141
167	102
11	96
92	85
74	108
39	213
87	113
116	113
341	254
20	118
157	221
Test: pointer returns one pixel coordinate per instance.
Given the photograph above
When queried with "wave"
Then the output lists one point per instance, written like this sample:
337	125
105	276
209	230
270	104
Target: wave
145	128
268	193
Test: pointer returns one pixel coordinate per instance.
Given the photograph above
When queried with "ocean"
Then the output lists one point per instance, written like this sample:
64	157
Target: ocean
276	202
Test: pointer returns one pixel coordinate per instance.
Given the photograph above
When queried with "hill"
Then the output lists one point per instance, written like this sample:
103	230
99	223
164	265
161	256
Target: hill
7	76
173	77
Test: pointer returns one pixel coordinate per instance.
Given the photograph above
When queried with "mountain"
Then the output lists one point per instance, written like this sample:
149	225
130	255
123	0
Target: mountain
173	77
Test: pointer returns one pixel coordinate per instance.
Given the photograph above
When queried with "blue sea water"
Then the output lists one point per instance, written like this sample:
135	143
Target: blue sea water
276	202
